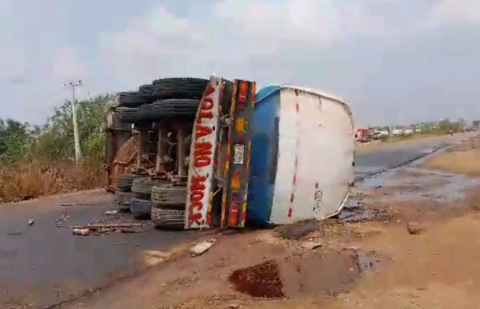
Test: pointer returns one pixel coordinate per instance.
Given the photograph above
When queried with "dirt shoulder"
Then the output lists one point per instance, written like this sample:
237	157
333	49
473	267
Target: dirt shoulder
366	147
417	247
462	159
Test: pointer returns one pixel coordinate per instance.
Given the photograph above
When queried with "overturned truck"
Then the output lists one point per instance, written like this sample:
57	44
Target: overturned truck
194	153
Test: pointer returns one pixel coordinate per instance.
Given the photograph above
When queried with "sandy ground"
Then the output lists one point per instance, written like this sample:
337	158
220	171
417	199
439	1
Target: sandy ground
463	159
412	253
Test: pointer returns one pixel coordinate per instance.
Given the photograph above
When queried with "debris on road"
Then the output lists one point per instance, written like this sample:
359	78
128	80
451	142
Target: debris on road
31	222
81	232
15	234
64	218
79	204
130	230
202	247
111	212
414	228
101	229
108	226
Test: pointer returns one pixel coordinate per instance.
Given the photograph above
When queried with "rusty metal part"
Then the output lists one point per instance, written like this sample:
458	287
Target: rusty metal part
181	150
161	148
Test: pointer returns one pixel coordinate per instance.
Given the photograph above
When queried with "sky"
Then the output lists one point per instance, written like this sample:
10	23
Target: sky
393	62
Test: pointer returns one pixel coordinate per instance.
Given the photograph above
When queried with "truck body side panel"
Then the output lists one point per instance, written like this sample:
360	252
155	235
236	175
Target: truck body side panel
288	153
313	162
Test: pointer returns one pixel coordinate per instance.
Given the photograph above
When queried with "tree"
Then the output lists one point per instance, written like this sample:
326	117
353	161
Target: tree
15	140
56	140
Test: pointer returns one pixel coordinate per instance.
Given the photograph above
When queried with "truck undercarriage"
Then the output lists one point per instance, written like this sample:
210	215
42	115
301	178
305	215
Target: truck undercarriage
178	152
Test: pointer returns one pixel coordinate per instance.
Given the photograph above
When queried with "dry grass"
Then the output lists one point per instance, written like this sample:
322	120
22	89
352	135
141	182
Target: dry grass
27	180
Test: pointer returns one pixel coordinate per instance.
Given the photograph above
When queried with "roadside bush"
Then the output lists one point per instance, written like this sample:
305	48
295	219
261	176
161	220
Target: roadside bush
37	161
30	179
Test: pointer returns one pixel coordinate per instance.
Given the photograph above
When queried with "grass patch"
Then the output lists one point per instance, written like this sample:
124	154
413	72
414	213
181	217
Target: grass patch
32	179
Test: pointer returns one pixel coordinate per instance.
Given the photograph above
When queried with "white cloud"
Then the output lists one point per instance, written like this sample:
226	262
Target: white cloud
457	12
13	61
236	31
240	34
150	46
67	65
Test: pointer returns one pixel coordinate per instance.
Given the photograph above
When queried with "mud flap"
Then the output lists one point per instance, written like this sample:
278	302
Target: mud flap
237	168
203	153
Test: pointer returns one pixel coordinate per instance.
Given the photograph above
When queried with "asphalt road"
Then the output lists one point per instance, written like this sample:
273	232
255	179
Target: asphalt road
370	161
42	265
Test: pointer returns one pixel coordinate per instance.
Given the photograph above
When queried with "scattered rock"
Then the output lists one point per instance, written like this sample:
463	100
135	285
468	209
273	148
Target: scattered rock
352	248
31	222
476	206
310	245
81	232
153	257
414	228
234	306
202	247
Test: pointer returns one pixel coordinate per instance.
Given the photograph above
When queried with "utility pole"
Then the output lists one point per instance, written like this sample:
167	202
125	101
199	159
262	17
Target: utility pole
73	86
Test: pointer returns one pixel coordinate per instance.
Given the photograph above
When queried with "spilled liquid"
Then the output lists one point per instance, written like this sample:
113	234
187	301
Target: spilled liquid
262	280
329	272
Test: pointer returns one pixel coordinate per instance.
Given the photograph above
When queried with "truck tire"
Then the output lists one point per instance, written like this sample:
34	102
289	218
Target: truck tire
127	114
144	113
168	219
185	109
130	99
141	209
146	92
142	187
123	200
175	88
169	196
124	182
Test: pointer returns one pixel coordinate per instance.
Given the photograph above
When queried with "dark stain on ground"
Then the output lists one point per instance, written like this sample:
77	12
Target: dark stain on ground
262	280
297	230
330	272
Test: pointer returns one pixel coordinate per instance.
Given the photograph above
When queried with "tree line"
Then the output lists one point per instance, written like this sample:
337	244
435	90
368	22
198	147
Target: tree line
20	141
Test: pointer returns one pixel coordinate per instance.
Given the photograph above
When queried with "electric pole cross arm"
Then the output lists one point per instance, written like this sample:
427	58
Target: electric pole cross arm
73	86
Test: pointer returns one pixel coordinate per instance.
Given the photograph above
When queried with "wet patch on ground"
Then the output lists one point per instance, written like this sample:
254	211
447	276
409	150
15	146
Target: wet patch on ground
317	272
406	184
416	184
